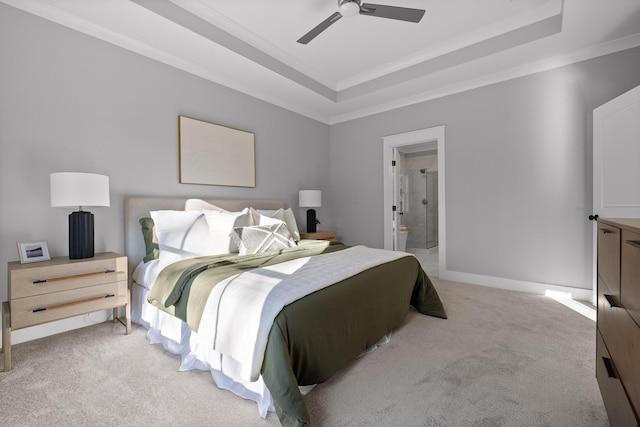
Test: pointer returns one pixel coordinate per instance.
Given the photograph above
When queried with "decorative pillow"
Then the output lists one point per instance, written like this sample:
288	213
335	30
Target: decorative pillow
181	234
152	251
292	225
221	225
200	205
271	217
256	215
262	238
285	215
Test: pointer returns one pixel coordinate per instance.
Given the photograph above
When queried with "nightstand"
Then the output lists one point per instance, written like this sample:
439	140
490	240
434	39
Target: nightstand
320	235
52	290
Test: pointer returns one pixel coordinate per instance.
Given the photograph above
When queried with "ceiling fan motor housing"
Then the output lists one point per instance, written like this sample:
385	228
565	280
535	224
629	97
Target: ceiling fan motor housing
349	7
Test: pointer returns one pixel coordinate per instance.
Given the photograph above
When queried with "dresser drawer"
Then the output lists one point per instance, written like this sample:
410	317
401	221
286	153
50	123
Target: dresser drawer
619	409
630	274
62	274
39	309
608	304
622	337
609	256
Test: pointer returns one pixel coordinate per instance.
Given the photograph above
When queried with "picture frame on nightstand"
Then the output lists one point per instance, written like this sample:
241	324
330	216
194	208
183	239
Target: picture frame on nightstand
33	251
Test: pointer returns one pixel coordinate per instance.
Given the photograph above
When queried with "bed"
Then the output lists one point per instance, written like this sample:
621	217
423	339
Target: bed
339	302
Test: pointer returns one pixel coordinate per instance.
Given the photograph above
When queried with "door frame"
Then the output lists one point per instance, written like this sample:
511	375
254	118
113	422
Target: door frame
436	136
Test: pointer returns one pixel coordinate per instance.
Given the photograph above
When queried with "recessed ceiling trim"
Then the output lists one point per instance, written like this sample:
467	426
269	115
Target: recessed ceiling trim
188	20
517	37
242	74
204	9
541	13
585	54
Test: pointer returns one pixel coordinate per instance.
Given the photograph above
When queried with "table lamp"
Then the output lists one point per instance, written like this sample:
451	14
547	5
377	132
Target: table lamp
310	199
70	189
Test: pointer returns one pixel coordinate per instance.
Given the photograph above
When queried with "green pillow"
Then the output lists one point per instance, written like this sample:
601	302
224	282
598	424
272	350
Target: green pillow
150	239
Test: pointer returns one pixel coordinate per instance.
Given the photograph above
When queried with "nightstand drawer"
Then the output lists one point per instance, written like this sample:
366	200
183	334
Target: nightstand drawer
39	309
59	275
52	290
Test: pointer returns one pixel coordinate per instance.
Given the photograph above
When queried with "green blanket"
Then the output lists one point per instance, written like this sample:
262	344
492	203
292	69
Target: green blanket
318	335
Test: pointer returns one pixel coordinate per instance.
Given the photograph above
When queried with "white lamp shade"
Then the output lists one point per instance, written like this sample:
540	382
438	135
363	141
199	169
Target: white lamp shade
69	189
310	198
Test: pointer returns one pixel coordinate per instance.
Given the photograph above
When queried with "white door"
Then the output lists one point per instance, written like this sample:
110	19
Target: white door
616	162
426	139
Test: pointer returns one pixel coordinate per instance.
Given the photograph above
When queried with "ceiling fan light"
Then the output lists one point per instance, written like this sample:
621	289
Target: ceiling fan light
349	8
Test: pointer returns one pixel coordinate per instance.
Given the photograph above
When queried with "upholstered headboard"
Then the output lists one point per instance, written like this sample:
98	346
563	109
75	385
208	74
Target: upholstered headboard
139	207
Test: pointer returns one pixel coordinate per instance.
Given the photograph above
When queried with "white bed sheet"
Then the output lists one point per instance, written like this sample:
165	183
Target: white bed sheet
177	338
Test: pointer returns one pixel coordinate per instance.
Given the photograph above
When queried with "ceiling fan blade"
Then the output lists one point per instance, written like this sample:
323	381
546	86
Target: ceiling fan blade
319	28
392	12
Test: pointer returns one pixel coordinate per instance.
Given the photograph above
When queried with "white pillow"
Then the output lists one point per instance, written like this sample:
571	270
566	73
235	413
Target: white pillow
285	215
263	238
181	234
221	225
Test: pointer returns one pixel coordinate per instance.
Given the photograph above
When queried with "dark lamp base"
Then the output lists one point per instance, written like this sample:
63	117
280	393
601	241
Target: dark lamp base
80	235
311	220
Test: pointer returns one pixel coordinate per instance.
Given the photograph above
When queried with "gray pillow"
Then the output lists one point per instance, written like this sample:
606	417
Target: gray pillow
262	238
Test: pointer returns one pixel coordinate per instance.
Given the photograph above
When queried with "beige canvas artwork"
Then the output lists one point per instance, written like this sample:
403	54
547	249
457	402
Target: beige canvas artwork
212	154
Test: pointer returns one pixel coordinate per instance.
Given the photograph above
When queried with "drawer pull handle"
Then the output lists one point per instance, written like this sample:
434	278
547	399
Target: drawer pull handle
77	276
606	231
69	304
634	243
608	364
611	301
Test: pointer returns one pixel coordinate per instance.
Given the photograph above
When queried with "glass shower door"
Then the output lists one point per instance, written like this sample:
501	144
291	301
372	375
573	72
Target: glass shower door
420	208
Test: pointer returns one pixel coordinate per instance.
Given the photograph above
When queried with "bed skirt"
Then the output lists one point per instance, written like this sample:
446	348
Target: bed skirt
177	338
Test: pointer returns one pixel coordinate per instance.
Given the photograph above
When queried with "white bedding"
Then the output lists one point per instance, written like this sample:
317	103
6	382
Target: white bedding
276	286
260	294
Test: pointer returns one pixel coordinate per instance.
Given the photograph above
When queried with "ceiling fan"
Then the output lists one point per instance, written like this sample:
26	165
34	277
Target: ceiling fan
353	7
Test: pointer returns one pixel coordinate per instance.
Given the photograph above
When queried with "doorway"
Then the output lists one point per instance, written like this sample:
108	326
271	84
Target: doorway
406	187
417	173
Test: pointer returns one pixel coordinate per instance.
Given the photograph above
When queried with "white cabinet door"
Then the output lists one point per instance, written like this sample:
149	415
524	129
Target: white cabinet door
616	162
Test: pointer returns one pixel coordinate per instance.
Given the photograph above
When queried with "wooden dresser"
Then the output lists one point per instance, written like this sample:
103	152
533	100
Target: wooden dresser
618	329
60	288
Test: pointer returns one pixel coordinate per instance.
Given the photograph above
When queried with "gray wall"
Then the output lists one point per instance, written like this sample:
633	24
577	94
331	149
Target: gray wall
518	171
518	152
69	102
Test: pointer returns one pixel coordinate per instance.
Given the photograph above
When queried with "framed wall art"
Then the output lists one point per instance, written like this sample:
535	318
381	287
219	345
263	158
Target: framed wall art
212	154
33	251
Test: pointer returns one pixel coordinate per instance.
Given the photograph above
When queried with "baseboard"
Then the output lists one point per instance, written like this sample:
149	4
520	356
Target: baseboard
516	285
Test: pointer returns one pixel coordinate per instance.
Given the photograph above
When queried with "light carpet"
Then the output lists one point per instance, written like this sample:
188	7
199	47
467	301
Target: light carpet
502	358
